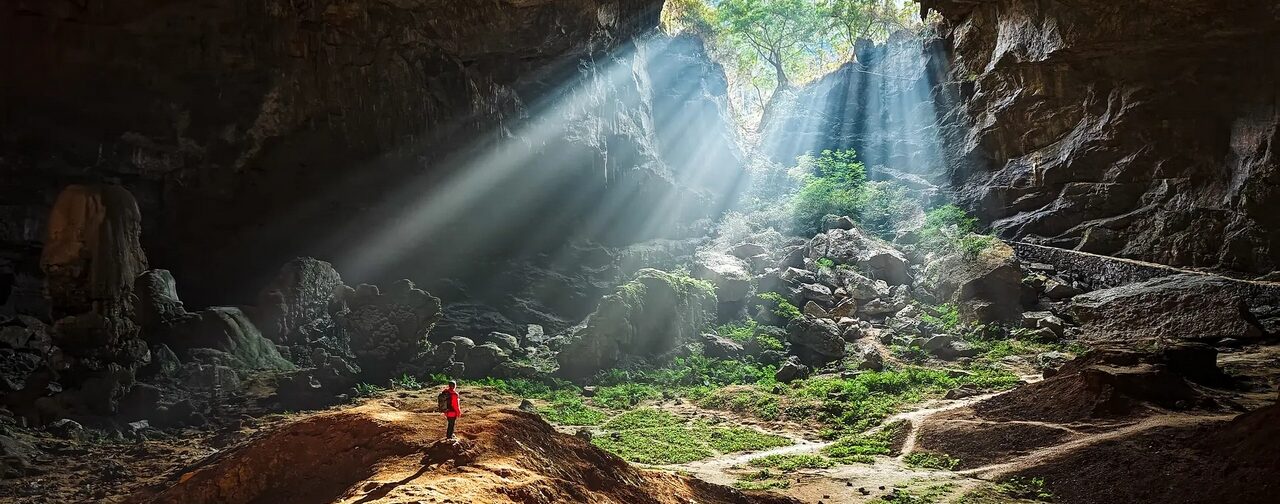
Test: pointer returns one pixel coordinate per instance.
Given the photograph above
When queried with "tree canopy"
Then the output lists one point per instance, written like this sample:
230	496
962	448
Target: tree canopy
768	45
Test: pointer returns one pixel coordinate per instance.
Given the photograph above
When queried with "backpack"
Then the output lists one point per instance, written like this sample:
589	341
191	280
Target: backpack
443	404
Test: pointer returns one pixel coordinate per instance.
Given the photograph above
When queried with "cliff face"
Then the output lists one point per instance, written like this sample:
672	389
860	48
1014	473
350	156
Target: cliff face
252	133
1139	129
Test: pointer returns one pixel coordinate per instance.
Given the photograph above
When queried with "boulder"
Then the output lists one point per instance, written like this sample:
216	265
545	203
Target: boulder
730	275
504	341
717	346
225	329
948	347
66	429
748	250
812	309
1057	290
870	254
93	251
870	357
646	318
816	292
1184	307
157	299
797	276
18	458
298	297
24	332
791	370
987	286
815	340
386	329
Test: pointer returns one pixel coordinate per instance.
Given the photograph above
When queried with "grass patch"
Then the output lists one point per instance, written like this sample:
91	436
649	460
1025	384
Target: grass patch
928	495
625	396
740	439
789	463
861	448
660	446
570	410
749	400
643	418
762	480
929	460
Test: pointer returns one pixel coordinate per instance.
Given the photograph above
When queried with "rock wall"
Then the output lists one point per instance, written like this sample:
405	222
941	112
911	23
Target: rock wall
1144	130
1138	129
253	133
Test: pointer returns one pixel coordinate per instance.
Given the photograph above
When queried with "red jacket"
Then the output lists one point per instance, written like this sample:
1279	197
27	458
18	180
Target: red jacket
454	410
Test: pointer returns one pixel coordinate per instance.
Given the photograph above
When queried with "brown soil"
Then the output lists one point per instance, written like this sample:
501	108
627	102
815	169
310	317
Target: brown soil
978	442
390	452
1210	462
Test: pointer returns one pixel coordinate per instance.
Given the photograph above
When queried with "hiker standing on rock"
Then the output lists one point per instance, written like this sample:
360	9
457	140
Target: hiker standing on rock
447	403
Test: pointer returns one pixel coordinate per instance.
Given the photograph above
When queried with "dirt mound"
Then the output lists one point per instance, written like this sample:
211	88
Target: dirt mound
378	452
1213	462
977	442
1109	384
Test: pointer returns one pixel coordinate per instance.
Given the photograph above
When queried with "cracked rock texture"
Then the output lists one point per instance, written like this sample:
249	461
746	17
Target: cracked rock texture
1139	129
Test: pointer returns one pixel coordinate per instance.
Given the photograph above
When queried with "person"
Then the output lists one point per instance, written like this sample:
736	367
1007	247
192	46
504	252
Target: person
452	411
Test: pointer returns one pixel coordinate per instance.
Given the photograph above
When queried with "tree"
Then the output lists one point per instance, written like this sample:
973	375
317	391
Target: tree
778	31
870	19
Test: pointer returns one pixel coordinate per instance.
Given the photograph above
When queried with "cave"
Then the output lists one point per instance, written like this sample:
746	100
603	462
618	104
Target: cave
650	251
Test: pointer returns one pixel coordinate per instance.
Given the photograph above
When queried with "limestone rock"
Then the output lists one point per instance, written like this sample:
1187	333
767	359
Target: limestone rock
297	297
729	274
386	329
1184	307
224	329
815	340
157	298
721	347
93	250
873	255
648	317
987	286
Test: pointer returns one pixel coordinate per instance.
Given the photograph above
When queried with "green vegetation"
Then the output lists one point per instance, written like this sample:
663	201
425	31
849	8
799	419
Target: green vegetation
406	382
944	317
738	331
767	45
643	418
625	395
1026	488
931	494
570	410
753	401
826	263
832	186
930	460
667	443
789	463
949	228
860	448
763	479
363	389
781	307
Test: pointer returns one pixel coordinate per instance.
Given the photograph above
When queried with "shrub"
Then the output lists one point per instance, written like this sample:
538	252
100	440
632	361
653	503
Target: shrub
738	331
781	307
883	206
832	186
406	382
625	395
929	460
763	479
